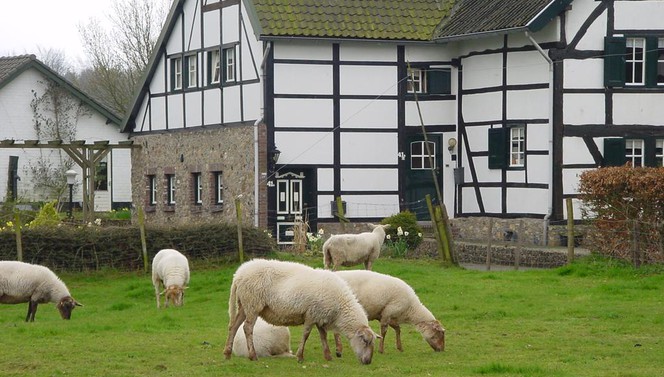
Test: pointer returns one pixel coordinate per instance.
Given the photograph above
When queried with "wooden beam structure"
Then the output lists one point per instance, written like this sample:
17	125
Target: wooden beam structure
85	155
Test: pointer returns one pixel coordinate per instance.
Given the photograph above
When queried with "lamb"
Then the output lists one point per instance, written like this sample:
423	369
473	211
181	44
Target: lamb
351	249
291	294
170	269
35	284
393	302
269	340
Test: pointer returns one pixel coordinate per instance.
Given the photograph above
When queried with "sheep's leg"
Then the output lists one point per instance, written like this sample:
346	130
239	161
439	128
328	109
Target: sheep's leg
367	265
248	328
233	326
32	310
383	332
323	341
156	294
337	342
305	335
397	329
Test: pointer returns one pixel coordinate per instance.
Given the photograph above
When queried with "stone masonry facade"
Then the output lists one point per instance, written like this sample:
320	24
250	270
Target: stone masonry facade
227	151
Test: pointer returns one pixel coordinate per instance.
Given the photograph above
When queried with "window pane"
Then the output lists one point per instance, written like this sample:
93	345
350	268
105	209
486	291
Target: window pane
215	71
634	152
660	61
659	152
517	146
635	61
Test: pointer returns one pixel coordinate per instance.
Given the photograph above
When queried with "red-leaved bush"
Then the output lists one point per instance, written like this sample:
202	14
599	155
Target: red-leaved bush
626	206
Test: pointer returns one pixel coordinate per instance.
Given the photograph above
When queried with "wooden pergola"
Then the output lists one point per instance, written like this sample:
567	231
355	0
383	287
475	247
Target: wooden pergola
86	156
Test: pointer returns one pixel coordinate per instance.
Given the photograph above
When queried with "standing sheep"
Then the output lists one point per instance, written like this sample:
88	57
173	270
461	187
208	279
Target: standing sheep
291	294
23	282
351	249
170	269
269	340
393	302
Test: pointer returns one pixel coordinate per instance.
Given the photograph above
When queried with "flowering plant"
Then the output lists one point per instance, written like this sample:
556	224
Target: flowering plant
397	245
315	241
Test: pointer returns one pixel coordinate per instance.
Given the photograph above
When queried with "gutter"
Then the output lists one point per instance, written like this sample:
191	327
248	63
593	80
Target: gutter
260	119
545	230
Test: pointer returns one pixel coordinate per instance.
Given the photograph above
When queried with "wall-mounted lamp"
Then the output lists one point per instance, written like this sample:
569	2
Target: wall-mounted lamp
273	157
451	144
71	180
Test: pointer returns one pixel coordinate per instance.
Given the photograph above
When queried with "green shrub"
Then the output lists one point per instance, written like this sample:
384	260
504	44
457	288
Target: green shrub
403	234
91	247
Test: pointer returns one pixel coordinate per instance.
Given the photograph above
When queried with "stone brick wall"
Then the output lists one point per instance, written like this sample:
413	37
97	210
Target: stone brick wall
227	149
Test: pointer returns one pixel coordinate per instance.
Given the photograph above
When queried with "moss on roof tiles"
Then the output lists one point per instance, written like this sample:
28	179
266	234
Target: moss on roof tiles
362	19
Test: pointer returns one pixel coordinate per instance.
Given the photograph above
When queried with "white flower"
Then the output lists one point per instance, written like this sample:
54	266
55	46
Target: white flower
399	231
388	237
419	235
405	233
321	231
98	222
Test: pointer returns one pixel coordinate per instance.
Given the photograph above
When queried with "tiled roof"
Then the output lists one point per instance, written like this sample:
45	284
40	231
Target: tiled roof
10	64
471	17
353	19
13	66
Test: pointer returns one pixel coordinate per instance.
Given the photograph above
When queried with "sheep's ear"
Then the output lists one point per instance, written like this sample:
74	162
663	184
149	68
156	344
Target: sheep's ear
372	226
386	226
78	303
162	292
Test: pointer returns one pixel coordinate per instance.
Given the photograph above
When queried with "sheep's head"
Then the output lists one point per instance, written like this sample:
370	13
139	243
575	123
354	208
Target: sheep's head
66	306
362	342
434	333
174	294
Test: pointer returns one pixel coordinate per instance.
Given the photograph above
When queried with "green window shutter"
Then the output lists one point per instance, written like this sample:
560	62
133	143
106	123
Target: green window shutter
614	152
439	81
498	148
651	61
614	61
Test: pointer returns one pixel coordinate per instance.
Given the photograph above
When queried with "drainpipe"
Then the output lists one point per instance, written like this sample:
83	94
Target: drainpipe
260	119
545	230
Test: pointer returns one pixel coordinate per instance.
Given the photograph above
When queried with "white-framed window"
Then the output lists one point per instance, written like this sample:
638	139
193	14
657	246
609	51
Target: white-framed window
176	73
198	188
170	189
421	157
634	152
660	61
659	152
214	67
635	61
152	190
416	81
192	70
517	146
101	175
229	64
218	188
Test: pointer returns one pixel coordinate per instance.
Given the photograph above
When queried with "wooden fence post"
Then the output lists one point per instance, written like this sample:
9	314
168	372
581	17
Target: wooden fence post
341	214
238	211
144	244
570	231
19	237
519	246
488	246
436	230
635	244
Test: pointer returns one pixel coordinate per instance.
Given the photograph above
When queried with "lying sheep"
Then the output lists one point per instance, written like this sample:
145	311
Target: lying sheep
269	340
351	249
393	302
170	269
290	294
23	282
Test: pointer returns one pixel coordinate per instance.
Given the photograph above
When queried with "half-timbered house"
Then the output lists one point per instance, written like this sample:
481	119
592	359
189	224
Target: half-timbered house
495	108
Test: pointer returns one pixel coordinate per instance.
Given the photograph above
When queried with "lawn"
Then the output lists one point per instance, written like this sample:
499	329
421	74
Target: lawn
595	318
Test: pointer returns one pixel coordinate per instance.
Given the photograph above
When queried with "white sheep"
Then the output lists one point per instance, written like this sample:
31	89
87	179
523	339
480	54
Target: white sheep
24	282
393	302
170	270
291	294
269	340
351	249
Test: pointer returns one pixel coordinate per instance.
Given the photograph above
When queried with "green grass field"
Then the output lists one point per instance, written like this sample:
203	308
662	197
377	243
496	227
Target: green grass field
595	318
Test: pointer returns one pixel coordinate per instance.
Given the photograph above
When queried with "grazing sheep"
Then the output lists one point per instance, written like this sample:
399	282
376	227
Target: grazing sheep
291	294
269	340
351	249
170	269
393	302
24	282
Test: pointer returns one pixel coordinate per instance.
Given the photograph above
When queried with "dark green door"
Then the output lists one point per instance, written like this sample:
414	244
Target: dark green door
421	158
